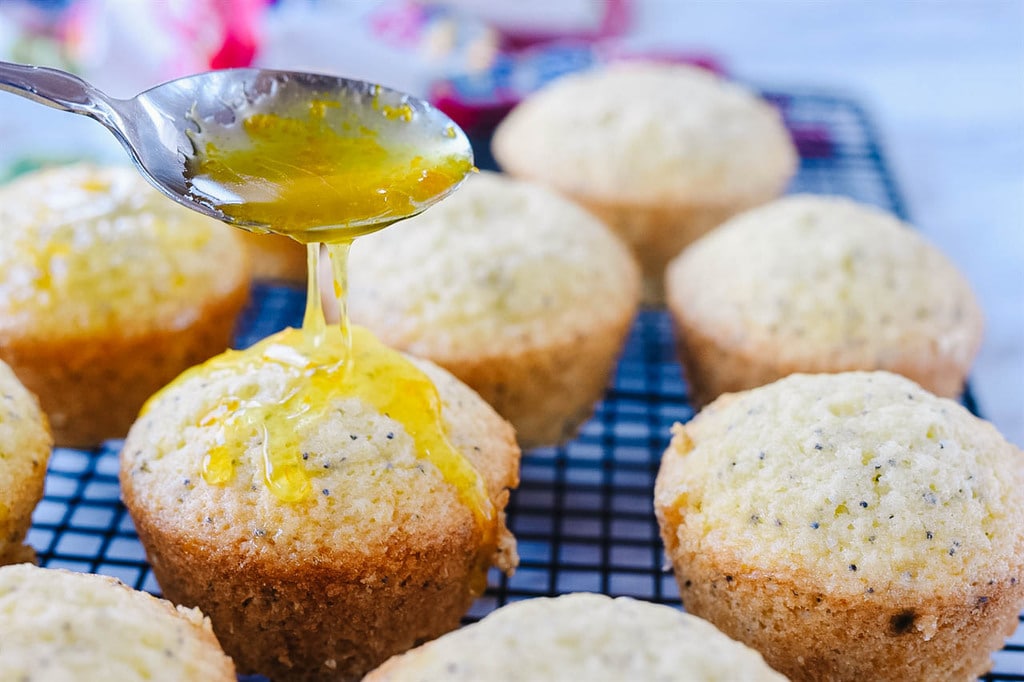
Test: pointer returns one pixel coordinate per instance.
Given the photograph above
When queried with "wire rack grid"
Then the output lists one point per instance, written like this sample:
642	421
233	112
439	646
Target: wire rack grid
583	513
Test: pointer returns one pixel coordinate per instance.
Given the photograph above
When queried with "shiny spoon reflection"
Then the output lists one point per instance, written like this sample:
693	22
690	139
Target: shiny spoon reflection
233	144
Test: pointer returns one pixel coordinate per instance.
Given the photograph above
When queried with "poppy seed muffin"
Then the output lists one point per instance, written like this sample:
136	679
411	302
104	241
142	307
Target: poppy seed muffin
580	636
107	291
849	527
389	546
513	289
819	284
25	444
661	152
59	625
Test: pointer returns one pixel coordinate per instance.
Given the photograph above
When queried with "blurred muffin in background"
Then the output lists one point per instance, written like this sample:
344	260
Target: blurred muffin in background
24	453
662	153
276	257
581	636
819	284
849	527
517	291
107	291
59	625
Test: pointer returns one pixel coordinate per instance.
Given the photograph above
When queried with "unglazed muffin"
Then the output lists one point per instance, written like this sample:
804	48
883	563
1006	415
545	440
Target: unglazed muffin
24	452
61	626
849	527
661	152
819	284
387	544
518	292
107	291
276	257
581	636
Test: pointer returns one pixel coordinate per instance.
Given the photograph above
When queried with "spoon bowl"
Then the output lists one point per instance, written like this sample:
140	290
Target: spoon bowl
159	127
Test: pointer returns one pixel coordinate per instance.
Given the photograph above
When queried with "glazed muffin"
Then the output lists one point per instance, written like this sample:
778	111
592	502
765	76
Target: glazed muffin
107	291
334	529
59	625
24	452
819	284
849	527
518	292
581	636
661	152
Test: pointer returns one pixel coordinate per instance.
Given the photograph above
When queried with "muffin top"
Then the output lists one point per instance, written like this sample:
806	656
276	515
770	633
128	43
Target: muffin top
25	444
59	625
645	132
581	636
309	471
501	265
86	250
825	279
862	480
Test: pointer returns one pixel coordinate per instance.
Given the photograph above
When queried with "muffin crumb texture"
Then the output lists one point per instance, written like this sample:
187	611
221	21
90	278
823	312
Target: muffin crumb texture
679	154
59	625
364	469
108	290
820	284
517	291
25	444
682	136
384	552
581	636
502	263
89	249
874	483
893	516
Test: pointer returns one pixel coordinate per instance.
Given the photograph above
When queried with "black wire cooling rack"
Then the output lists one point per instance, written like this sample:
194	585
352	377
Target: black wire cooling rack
583	513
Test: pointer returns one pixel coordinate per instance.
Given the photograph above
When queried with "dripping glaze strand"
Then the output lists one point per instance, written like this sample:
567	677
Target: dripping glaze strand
322	176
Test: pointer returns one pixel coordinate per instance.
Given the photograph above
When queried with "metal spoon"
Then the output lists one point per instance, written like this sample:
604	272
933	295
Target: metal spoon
154	125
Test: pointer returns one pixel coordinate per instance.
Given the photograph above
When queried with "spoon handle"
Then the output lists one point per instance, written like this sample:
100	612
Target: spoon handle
57	89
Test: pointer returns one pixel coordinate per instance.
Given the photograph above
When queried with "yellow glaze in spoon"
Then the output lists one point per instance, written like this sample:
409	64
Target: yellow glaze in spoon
297	128
324	171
